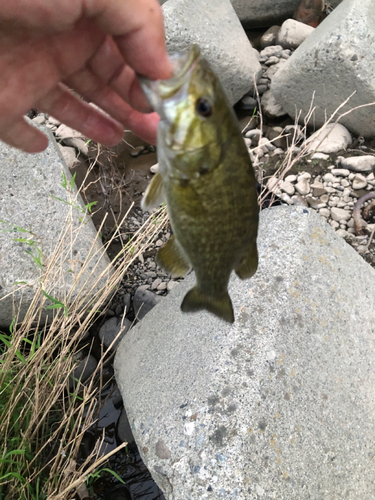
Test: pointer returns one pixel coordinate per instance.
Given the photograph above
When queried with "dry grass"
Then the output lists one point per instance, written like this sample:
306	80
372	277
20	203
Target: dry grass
42	419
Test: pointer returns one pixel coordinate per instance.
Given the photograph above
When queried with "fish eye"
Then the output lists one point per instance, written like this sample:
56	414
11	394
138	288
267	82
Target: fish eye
203	107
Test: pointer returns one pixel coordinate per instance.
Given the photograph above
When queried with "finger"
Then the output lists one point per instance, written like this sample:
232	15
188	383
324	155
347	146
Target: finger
74	112
94	90
109	65
138	30
23	136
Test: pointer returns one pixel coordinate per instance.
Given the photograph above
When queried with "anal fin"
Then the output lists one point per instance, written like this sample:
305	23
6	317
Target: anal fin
154	195
249	263
195	300
172	259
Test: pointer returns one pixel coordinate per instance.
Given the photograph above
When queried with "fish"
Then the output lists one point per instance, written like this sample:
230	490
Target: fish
208	183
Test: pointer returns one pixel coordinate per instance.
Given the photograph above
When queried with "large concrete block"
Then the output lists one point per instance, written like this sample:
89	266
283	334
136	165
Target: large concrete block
279	405
29	192
215	27
336	60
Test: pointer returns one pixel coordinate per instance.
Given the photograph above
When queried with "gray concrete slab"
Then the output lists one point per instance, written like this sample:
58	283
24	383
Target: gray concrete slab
29	188
215	27
335	61
279	405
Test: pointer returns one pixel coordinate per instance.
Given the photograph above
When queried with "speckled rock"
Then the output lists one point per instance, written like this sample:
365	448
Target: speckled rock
215	27
333	63
278	405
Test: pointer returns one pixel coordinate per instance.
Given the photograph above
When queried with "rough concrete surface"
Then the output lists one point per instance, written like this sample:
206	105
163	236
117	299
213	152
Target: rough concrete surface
30	186
215	27
336	60
279	405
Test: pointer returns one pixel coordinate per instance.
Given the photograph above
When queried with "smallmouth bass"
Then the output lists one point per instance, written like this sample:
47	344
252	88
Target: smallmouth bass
207	180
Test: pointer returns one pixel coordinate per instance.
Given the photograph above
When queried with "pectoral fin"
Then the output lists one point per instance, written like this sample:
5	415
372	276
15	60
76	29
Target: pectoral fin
195	301
172	258
154	195
249	263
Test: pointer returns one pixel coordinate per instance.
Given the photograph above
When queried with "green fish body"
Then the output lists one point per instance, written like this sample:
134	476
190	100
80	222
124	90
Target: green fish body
207	180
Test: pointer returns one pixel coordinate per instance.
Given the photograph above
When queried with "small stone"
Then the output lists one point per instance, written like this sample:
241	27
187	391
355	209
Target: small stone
155	284
290	178
144	301
39	119
299	201
162	286
341	172
154	169
292	33
303	186
287	187
325	212
324	198
264	142
359	163
78	143
111	331
248	102
319	156
342	233
83	371
272	60
329	139
137	151
159	243
345	183
316	204
319	192
339	214
69	155
273	50
124	431
269	37
334	224
359	182
330	178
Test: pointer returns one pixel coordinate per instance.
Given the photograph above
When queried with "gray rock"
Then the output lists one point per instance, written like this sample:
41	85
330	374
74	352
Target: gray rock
292	33
83	371
39	119
281	403
111	331
124	431
332	63
303	186
359	163
29	199
215	27
339	214
270	107
69	155
269	37
78	143
359	182
329	139
144	301
273	50
259	13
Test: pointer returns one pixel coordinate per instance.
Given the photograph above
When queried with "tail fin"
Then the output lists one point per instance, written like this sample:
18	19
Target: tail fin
196	301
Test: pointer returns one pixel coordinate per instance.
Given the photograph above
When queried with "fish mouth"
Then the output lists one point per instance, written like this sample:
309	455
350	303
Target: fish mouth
159	91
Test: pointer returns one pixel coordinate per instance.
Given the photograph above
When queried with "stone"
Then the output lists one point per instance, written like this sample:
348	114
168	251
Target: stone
83	371
341	172
78	143
270	107
248	103
287	187
39	119
334	64
69	155
171	284
64	132
359	182
280	402
111	331
329	139
358	163
30	199
222	40
124	431
303	186
319	156
154	169
274	50
269	37
339	214
144	301
292	33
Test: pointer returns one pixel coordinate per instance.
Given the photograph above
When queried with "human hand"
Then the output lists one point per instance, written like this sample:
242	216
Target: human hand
93	47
